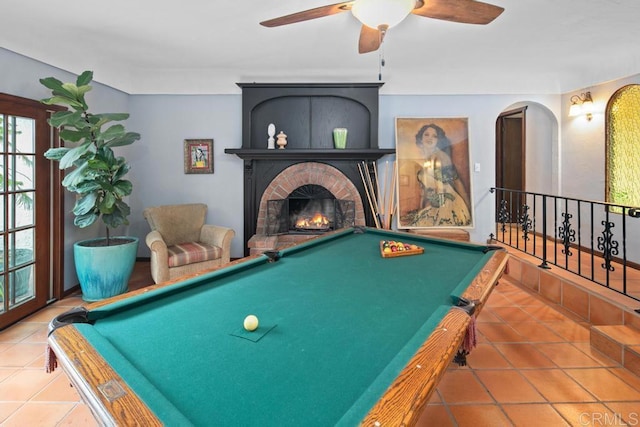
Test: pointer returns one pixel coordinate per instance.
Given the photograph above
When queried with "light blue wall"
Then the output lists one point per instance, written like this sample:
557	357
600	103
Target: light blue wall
158	159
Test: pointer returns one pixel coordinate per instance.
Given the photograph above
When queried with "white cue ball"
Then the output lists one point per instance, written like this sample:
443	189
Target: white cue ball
251	323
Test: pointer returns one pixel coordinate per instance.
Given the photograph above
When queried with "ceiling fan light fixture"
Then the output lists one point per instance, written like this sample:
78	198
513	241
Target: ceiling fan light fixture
376	13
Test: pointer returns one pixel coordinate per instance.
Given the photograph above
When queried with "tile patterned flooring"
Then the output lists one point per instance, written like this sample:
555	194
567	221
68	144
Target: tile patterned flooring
533	366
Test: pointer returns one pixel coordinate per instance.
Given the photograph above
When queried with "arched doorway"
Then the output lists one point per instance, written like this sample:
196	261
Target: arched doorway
527	151
511	145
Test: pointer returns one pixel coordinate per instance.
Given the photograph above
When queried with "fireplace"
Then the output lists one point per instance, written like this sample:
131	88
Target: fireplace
307	113
295	192
309	209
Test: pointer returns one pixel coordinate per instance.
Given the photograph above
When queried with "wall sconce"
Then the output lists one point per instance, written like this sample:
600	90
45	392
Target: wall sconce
581	104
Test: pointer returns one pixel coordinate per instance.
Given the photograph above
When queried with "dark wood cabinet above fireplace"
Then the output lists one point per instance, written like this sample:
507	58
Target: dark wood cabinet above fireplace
307	113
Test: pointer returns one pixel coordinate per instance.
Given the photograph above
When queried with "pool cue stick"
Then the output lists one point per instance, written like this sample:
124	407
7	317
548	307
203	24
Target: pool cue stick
380	202
387	213
392	197
372	192
365	168
395	192
375	218
388	183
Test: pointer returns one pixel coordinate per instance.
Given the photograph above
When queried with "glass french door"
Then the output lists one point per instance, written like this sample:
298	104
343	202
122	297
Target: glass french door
24	209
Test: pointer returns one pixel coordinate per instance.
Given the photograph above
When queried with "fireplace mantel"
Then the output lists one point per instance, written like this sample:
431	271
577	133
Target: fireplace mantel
292	154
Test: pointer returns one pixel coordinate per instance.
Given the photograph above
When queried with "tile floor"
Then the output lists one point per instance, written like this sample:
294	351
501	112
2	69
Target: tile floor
533	366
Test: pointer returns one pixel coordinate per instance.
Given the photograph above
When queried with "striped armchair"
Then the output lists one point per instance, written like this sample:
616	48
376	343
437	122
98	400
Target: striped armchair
181	243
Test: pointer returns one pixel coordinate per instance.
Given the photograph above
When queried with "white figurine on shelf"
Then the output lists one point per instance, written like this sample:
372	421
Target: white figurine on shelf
282	140
271	130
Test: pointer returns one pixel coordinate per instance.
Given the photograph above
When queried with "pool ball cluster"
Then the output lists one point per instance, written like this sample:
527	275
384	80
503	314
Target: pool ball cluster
390	246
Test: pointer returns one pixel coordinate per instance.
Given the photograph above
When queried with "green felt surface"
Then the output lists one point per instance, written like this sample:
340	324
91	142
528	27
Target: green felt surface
253	336
347	320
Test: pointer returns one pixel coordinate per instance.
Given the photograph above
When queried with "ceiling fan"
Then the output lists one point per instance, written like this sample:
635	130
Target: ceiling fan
377	16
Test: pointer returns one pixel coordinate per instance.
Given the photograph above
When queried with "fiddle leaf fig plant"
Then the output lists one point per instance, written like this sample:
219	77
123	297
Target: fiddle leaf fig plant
97	175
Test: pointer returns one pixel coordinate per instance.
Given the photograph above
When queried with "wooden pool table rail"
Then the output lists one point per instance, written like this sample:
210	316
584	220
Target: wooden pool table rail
110	399
405	399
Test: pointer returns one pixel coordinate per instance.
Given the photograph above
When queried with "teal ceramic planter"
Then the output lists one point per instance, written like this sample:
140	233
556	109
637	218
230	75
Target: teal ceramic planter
104	271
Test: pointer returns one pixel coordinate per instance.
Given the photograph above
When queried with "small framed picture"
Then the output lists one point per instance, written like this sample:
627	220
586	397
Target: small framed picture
198	156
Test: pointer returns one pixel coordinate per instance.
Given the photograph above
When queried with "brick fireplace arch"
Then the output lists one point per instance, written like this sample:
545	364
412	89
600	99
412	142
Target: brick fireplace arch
289	180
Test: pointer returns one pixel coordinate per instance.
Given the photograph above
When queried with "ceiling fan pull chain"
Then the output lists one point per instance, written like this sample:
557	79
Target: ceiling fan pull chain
381	56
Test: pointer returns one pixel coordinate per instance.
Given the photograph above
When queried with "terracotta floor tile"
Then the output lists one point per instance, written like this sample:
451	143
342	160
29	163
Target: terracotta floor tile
461	386
8	408
38	362
536	332
5	345
79	416
38	336
435	415
507	286
499	332
19	332
58	390
525	299
545	313
479	416
570	331
508	386
512	314
522	355
556	386
20	354
485	356
629	412
38	414
566	355
585	414
435	398
604	385
534	415
481	339
627	376
69	302
586	348
6	373
487	316
24	384
47	314
498	300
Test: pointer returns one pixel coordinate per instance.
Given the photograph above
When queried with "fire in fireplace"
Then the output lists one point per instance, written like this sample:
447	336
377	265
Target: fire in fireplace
317	222
310	209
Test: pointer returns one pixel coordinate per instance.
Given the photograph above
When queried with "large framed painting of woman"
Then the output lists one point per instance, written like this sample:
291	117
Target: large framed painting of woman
434	185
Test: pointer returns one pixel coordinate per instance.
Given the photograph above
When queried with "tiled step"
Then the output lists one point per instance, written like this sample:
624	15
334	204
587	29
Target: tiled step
619	342
632	359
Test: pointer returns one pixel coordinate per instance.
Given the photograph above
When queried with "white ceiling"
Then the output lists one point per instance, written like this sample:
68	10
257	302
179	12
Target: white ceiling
206	46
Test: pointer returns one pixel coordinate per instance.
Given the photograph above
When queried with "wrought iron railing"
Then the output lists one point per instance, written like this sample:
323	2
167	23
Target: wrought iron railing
599	241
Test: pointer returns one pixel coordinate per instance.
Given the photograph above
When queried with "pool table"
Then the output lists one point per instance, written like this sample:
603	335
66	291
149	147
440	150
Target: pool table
345	336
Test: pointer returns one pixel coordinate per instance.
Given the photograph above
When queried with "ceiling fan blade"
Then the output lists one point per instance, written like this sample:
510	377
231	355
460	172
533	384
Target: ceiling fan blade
463	11
306	15
370	39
